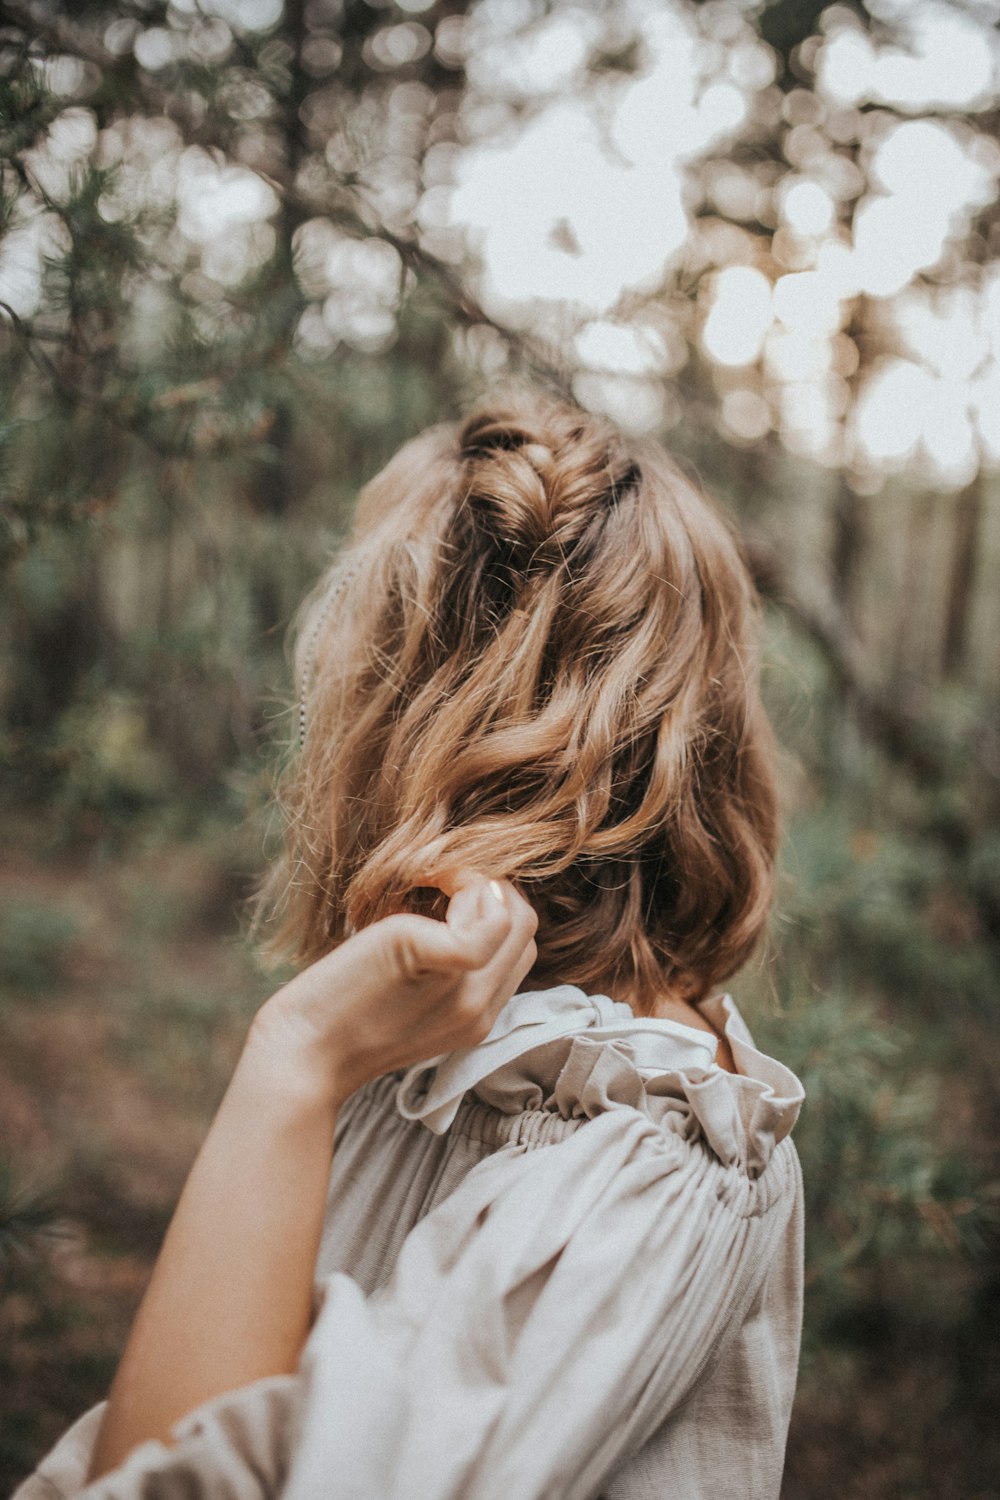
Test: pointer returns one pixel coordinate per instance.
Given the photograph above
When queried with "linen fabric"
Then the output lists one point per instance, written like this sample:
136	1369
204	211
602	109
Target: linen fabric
561	1265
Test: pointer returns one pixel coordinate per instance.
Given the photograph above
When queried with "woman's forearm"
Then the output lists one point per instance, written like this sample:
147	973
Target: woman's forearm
230	1298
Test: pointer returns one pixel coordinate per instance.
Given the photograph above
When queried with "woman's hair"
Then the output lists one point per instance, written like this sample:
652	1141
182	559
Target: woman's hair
535	656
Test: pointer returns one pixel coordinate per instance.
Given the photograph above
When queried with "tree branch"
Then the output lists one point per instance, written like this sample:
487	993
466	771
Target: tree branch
60	34
905	735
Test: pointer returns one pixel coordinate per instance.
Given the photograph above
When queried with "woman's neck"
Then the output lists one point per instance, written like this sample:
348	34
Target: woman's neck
670	1006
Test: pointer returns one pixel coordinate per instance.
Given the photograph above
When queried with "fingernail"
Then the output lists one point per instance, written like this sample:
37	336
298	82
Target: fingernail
496	891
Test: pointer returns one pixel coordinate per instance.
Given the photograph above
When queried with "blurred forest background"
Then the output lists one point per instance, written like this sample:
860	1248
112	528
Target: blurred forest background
247	247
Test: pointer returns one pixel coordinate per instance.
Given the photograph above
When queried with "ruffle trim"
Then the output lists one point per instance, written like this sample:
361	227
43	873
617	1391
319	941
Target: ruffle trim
576	1056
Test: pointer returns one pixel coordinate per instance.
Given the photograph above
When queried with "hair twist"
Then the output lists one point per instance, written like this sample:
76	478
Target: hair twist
537	480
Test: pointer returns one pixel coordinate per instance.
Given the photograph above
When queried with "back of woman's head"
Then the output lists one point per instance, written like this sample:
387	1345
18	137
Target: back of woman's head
536	657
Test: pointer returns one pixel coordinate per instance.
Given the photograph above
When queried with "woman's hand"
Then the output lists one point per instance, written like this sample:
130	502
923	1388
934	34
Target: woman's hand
405	989
230	1298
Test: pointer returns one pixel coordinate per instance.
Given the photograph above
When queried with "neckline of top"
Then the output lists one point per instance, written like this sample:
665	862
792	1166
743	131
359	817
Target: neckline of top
658	1046
663	1025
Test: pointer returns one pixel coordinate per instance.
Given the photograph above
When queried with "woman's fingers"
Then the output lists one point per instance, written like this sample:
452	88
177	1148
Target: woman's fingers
490	986
420	946
451	881
488	933
518	946
465	911
475	892
474	899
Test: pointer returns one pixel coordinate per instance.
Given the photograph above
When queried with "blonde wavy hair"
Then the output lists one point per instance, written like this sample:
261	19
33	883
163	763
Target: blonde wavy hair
535	656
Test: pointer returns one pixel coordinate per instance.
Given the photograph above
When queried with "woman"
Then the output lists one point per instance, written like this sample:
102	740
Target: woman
531	827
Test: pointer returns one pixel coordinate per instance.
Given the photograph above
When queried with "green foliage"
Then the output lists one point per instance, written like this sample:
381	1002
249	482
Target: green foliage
108	764
29	1220
35	941
27	107
883	910
881	1180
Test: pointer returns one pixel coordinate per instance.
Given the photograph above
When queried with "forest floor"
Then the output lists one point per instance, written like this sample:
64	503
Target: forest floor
125	993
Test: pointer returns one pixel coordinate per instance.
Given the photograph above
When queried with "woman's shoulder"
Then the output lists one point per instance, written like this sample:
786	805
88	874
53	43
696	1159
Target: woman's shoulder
561	1068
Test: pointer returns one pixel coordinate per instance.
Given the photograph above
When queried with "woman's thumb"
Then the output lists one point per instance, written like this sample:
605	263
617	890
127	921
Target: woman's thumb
477	908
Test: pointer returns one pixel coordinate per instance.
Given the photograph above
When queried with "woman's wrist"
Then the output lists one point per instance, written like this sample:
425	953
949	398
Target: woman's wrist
282	1058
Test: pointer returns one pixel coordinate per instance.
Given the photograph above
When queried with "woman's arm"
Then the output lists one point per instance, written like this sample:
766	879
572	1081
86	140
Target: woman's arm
231	1293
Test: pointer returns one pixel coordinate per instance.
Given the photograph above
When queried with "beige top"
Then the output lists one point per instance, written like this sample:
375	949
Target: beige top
564	1264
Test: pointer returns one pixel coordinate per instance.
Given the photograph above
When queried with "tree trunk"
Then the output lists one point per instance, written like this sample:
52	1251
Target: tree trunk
964	559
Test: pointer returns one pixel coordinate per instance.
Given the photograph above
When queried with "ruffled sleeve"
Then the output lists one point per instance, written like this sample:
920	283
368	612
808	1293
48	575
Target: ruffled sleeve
540	1323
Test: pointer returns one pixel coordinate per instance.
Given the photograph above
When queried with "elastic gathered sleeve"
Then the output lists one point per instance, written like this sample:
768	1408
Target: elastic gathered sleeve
539	1325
